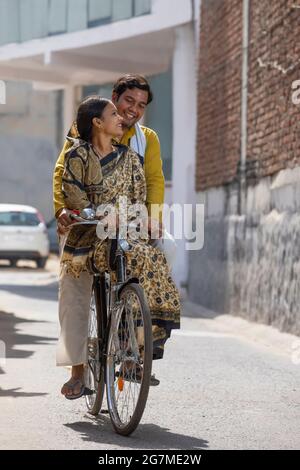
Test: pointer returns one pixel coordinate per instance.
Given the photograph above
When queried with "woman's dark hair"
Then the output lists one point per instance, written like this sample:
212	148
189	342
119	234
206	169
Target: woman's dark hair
132	81
91	107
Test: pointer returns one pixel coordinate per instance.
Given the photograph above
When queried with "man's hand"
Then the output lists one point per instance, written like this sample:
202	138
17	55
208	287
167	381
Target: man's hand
155	228
64	221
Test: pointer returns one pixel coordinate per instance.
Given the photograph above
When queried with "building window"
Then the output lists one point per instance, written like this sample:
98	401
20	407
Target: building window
142	7
99	12
58	10
24	20
105	91
159	117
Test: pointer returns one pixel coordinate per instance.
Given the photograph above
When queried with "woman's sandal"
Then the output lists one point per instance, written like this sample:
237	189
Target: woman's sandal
83	390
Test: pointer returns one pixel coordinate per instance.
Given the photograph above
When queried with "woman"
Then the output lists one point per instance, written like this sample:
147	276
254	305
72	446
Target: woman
97	172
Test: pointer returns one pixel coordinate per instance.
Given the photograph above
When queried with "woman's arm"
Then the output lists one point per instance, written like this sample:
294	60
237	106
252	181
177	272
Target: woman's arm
75	196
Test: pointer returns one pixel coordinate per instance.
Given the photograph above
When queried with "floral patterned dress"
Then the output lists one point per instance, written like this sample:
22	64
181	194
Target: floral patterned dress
89	182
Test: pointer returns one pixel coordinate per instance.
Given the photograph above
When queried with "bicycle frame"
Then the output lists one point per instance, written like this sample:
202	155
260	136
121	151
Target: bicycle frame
111	307
108	298
118	336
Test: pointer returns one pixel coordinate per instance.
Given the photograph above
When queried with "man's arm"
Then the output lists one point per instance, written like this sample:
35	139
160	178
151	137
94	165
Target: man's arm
62	214
155	181
59	203
58	197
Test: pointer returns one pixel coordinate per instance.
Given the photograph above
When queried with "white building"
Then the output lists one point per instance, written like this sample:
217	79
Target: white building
81	45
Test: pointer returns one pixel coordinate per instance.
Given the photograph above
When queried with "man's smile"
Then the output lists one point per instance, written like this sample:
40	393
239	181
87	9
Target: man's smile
130	115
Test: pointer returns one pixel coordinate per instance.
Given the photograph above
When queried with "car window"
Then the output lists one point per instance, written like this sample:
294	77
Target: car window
19	218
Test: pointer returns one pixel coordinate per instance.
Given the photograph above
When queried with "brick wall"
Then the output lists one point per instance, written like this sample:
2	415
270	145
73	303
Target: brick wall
274	63
219	108
249	264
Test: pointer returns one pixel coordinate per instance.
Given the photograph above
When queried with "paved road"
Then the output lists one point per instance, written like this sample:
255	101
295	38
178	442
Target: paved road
225	383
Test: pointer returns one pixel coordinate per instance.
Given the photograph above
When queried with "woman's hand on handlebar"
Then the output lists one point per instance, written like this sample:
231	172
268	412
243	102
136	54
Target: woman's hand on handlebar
64	220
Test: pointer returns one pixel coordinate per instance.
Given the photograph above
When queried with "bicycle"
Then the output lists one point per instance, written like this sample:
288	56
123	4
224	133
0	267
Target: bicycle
120	344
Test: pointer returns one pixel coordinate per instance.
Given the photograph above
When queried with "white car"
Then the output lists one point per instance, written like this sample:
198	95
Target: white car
23	234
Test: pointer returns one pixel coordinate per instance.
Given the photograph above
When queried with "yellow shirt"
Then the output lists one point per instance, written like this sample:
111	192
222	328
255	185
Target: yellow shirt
152	166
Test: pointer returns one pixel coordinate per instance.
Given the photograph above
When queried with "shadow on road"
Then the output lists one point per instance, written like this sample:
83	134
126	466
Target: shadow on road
147	436
11	336
27	266
22	269
13	392
44	292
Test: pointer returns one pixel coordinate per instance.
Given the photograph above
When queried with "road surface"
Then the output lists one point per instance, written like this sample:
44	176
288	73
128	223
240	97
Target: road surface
225	383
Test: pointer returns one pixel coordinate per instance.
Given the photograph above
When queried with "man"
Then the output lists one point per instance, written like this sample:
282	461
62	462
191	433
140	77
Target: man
131	95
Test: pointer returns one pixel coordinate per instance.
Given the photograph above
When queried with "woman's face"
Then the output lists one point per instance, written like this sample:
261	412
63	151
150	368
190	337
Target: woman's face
111	121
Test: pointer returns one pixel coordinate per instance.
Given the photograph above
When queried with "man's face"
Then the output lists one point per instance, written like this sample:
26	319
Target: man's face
131	105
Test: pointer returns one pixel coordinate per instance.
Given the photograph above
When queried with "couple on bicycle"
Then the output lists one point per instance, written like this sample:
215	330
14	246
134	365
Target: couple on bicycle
108	155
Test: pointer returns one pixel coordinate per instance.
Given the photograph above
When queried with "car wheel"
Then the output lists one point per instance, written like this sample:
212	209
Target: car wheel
41	262
13	263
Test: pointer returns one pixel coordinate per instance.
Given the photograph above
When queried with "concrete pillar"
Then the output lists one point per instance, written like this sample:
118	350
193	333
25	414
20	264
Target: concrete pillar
184	133
70	101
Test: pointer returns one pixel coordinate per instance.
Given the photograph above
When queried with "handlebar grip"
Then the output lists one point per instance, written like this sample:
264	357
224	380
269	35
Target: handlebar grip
75	215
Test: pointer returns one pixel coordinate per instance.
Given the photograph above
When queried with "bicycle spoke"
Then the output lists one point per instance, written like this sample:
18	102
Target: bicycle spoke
94	379
129	344
129	360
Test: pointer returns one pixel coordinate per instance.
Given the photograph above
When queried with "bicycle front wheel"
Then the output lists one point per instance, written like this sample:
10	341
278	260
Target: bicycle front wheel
129	360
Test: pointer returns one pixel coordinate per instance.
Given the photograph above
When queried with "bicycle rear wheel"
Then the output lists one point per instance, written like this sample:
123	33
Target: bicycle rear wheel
129	360
94	371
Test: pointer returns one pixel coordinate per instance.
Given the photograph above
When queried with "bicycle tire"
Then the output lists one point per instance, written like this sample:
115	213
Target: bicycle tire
94	372
127	428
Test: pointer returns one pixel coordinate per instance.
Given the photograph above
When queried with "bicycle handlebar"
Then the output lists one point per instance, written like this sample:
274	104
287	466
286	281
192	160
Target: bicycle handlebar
90	218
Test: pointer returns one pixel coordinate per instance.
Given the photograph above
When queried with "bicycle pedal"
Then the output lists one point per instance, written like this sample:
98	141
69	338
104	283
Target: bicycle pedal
88	391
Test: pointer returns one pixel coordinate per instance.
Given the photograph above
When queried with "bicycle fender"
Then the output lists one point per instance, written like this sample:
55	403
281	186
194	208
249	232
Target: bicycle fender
131	280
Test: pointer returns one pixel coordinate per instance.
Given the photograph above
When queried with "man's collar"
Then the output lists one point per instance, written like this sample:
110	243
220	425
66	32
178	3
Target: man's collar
130	132
127	136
